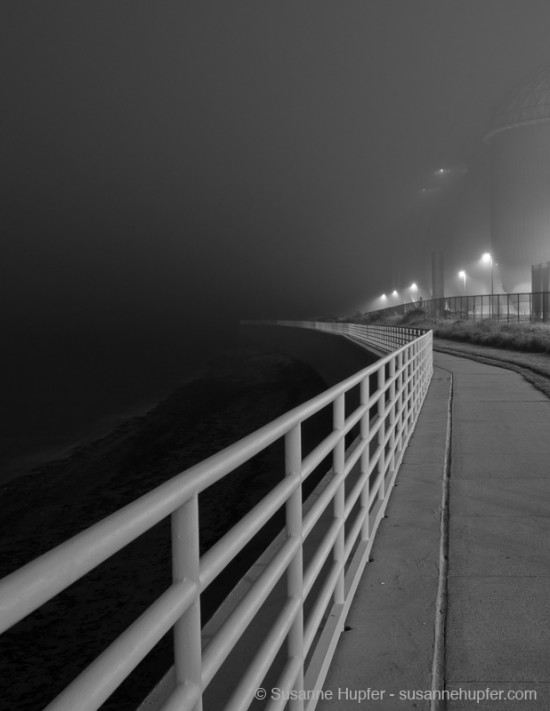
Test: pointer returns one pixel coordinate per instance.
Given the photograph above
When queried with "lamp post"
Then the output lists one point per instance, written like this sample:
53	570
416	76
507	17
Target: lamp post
462	275
487	258
395	298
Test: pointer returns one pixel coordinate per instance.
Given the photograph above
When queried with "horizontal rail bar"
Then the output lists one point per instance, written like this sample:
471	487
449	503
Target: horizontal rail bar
184	696
237	622
321	604
355	492
316	456
98	681
252	678
357	449
321	504
321	554
220	554
354	531
286	680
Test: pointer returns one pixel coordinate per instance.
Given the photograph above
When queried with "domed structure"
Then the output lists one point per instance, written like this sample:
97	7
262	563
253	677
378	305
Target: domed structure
528	104
520	205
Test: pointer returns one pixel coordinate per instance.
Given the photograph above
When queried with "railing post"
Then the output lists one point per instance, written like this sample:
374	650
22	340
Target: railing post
392	413
403	396
418	363
338	465
186	566
382	430
409	415
414	381
295	571
365	457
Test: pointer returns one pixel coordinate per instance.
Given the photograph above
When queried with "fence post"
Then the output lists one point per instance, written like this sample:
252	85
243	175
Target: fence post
409	412
382	430
418	362
392	412
186	566
365	456
339	457
295	571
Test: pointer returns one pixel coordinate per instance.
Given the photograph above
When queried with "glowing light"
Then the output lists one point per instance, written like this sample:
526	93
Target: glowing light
383	297
462	274
487	258
456	171
413	287
394	293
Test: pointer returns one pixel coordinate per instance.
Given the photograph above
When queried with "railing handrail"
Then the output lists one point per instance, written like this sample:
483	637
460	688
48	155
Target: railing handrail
382	338
26	589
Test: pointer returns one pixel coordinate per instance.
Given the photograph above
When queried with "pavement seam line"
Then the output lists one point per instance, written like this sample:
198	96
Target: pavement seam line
438	664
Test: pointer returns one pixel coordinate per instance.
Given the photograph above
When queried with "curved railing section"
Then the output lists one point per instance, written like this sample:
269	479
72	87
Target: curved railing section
383	338
308	577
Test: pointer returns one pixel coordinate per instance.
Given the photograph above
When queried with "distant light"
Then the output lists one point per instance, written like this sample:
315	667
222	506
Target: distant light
413	287
455	171
462	274
383	297
394	293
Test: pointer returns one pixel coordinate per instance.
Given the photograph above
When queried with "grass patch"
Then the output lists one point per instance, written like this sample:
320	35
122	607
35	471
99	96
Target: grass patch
522	347
525	336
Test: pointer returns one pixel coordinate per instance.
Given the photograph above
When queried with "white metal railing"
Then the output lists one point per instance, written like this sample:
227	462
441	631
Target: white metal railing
391	392
383	338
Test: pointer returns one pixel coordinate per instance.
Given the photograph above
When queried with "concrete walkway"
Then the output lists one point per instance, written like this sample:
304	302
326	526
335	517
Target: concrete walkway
498	621
495	635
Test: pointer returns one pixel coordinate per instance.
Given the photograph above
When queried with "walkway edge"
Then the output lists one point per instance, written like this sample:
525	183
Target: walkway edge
438	668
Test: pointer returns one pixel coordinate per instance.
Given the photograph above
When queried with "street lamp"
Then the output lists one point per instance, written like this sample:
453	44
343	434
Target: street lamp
462	275
487	258
413	289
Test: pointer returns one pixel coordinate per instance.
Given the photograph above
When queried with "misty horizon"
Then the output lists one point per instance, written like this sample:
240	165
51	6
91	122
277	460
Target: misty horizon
169	169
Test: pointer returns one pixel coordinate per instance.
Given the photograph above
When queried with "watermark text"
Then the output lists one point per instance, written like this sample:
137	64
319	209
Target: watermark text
372	695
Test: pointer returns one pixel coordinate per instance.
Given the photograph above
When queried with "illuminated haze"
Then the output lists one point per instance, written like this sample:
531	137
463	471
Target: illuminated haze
170	167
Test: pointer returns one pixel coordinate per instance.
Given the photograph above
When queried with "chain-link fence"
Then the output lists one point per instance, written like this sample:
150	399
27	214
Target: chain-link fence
530	306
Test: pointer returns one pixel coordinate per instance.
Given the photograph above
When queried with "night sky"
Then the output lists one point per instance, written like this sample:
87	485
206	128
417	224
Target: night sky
170	167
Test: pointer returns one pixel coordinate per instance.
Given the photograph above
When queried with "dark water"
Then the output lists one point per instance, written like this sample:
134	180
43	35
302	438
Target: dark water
62	386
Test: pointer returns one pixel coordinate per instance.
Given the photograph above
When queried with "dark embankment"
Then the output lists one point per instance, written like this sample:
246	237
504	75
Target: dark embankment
242	391
333	357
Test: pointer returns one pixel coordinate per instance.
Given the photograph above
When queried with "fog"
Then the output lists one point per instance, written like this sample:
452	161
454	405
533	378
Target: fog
170	167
